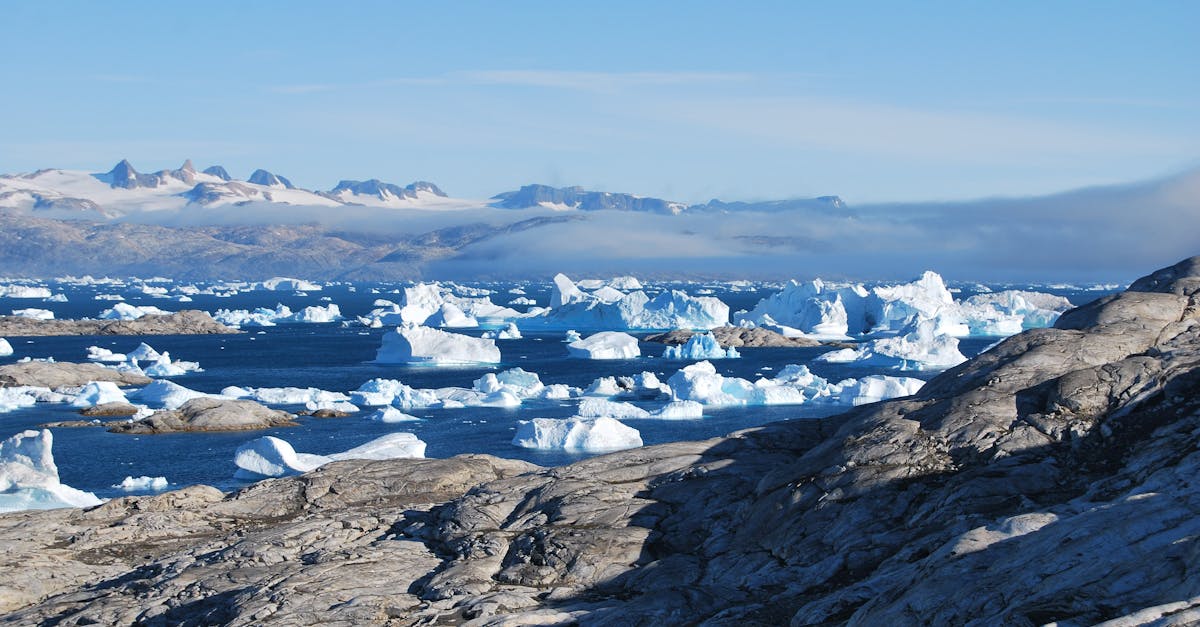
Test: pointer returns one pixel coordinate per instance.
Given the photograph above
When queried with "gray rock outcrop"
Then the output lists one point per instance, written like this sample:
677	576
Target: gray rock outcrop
57	374
187	322
208	414
1049	480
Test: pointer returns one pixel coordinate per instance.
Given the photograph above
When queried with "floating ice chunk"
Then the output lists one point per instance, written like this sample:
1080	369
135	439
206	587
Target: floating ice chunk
876	388
390	446
700	382
572	336
261	317
576	434
285	395
143	484
36	314
1012	311
338	406
604	386
571	307
605	345
286	284
423	345
700	346
596	407
918	349
378	392
24	291
29	477
559	391
516	381
166	394
509	332
144	352
12	399
391	414
99	353
99	393
679	410
565	292
814	308
270	456
125	311
316	314
522	300
164	367
6	349
57	298
111	297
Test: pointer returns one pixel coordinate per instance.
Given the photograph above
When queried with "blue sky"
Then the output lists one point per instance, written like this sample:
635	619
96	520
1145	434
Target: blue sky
689	101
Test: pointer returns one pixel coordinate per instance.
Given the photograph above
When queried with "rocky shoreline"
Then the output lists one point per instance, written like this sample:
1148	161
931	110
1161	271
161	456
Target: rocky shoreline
1051	479
187	322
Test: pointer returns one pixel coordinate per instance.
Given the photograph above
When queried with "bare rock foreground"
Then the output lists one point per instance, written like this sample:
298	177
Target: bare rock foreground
1054	478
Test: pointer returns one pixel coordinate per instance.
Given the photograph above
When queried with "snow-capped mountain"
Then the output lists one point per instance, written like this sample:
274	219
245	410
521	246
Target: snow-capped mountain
123	190
566	198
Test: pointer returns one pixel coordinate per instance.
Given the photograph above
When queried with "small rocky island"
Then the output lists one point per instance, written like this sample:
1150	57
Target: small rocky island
187	322
1052	479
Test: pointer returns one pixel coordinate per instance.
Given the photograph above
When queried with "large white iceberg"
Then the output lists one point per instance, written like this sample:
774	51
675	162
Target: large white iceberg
287	284
34	313
571	307
700	346
411	344
270	456
29	477
15	398
163	366
164	394
6	349
421	302
576	434
24	291
605	345
597	407
285	395
281	314
877	388
920	348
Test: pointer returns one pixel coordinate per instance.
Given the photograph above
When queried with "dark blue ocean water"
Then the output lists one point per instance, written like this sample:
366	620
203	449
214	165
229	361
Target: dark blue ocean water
339	358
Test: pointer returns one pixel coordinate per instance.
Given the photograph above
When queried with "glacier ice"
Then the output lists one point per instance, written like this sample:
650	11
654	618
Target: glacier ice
270	456
700	346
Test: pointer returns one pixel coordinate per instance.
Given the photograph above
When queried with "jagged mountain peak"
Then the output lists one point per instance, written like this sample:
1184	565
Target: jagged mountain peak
263	177
576	197
217	171
187	166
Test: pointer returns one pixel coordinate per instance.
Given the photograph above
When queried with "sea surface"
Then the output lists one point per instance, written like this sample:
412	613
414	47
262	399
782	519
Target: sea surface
339	357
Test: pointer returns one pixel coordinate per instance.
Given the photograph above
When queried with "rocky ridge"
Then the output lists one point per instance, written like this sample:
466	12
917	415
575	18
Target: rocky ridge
736	337
1051	479
187	322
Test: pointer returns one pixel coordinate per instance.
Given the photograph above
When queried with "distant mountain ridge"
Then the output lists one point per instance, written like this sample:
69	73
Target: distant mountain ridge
565	198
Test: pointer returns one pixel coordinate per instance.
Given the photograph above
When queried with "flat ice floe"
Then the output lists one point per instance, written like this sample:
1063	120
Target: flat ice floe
143	484
605	345
576	434
29	477
411	344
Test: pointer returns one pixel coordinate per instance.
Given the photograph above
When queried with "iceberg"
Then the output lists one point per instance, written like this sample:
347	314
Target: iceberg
700	346
142	484
125	311
679	410
920	348
24	291
15	398
6	349
286	284
377	392
605	345
281	314
99	353
591	435
516	381
29	477
98	393
411	344
316	314
36	314
270	456
571	307
164	367
167	394
597	407
391	414
877	388
451	317
422	301
144	352
285	395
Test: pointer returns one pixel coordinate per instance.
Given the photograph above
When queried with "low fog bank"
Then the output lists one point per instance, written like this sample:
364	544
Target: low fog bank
1098	234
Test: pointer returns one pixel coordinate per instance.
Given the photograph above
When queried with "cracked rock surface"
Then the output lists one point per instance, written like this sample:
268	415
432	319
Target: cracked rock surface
1055	478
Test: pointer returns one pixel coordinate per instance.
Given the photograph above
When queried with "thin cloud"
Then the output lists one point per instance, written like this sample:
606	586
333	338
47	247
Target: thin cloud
599	81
